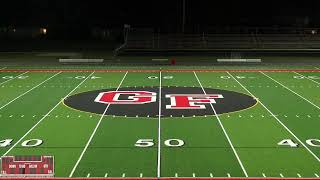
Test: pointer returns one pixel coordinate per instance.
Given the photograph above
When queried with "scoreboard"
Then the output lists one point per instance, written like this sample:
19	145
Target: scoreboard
27	166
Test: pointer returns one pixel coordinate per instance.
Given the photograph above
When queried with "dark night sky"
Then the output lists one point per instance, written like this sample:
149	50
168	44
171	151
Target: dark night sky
153	13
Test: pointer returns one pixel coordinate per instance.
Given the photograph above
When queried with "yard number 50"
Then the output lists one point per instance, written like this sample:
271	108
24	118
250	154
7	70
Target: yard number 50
144	143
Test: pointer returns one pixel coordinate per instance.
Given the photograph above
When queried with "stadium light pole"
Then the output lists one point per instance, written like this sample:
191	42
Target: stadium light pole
183	15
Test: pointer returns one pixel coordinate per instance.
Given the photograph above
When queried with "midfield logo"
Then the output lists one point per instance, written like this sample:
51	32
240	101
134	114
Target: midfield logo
175	102
178	101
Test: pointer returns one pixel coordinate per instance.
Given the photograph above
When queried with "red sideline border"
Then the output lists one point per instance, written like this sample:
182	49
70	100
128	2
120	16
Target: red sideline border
160	178
158	70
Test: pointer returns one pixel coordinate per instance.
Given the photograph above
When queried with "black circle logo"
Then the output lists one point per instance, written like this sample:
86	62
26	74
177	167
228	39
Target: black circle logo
175	101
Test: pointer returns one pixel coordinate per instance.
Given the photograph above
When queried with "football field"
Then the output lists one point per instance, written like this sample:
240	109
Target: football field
164	123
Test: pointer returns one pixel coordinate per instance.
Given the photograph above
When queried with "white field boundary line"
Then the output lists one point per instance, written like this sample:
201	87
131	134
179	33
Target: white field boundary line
30	130
94	131
317	68
308	78
291	90
159	130
224	131
279	121
29	91
3	68
13	78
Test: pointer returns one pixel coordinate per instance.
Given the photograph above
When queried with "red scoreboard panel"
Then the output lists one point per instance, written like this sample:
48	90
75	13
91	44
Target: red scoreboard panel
27	166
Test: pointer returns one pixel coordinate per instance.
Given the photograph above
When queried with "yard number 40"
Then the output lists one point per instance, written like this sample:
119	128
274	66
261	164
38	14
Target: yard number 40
291	143
27	143
144	143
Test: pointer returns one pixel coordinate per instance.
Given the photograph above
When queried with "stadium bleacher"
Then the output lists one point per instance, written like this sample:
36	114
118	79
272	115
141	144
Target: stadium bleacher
221	41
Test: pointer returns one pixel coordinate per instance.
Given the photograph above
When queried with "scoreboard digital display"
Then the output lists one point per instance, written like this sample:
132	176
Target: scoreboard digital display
27	166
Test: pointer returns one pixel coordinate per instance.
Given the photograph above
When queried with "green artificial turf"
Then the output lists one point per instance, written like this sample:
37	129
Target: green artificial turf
234	144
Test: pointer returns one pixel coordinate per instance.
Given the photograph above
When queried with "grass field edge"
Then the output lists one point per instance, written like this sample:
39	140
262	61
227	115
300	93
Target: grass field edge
166	178
158	70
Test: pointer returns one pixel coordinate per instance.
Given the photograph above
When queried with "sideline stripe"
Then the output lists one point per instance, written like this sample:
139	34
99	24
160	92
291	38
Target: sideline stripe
29	90
159	129
163	70
224	131
18	142
291	90
94	131
308	78
279	121
13	78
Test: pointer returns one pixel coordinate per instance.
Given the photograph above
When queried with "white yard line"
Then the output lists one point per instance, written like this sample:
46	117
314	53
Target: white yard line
29	90
308	78
3	68
279	121
18	142
224	131
94	131
291	90
159	130
317	68
13	78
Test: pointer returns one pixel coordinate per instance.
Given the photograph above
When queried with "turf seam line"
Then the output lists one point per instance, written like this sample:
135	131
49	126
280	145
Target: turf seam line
308	78
223	129
159	131
291	91
279	121
44	117
94	131
29	90
13	78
